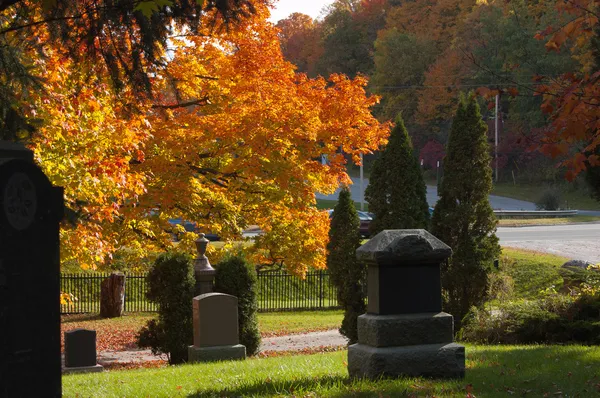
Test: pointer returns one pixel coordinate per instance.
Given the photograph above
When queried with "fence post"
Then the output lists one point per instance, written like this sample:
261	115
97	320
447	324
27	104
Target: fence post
320	288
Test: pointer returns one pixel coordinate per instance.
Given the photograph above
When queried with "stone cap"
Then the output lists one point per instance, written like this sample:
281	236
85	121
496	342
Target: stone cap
14	150
398	247
213	294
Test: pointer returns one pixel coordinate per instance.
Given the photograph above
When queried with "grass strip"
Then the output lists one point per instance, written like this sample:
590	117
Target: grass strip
512	222
492	371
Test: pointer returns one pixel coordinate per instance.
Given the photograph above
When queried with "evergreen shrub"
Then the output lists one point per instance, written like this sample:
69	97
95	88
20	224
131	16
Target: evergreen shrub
463	217
171	286
237	277
396	193
345	271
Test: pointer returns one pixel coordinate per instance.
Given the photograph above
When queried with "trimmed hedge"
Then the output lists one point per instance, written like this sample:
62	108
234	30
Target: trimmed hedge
237	277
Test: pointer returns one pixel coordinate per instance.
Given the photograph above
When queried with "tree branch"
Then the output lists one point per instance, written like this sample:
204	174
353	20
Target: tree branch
201	101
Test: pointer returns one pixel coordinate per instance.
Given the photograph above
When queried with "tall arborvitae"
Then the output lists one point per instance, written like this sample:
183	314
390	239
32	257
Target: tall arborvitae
347	274
397	194
463	217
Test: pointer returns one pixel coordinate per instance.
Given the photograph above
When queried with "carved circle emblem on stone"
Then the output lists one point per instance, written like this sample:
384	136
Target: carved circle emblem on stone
20	201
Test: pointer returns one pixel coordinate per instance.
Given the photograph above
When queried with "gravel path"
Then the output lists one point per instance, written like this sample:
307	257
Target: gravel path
329	338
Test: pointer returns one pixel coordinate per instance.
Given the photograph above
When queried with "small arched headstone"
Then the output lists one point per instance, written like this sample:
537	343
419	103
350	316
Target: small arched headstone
80	351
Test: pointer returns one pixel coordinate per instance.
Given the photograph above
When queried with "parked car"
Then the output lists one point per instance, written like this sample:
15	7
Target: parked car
365	220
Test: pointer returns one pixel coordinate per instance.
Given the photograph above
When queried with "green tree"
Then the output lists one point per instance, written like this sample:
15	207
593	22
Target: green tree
397	194
347	273
463	217
401	61
237	277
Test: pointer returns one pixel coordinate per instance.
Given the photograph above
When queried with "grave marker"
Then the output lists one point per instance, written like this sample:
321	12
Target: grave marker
80	351
405	332
30	212
216	331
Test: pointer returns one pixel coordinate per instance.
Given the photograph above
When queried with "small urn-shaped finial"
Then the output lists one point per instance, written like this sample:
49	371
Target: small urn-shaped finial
203	271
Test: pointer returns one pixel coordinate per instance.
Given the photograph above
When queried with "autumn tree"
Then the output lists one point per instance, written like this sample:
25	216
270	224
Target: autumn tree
231	139
300	39
572	99
128	37
463	217
346	272
396	192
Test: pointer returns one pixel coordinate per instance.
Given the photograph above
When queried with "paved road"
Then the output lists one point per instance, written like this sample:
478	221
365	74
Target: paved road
497	202
551	232
581	242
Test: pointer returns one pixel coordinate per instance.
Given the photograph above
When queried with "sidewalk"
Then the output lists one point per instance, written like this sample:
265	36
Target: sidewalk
295	342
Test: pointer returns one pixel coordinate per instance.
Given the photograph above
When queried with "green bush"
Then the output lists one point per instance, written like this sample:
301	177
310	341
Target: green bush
555	319
237	277
549	200
171	286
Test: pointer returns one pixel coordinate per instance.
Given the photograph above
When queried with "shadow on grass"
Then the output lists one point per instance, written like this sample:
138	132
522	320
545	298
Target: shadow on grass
492	371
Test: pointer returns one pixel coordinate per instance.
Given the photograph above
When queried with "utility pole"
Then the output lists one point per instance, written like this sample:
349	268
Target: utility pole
496	146
362	191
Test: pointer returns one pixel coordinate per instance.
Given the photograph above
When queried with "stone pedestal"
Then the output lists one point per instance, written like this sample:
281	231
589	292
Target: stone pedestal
405	332
203	271
216	332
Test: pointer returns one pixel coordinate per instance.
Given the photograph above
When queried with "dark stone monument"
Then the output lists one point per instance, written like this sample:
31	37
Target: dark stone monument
80	351
405	332
216	331
30	212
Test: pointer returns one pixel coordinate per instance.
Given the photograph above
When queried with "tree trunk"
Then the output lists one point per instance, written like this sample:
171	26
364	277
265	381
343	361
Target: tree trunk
112	296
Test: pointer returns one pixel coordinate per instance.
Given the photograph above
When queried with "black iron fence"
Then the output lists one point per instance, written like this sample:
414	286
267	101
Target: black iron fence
84	291
277	291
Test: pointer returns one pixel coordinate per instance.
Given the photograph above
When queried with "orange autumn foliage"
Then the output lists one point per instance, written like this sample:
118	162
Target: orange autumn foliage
233	138
573	100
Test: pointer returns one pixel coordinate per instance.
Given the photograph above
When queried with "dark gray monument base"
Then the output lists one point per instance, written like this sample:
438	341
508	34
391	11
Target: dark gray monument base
83	369
405	329
216	353
428	360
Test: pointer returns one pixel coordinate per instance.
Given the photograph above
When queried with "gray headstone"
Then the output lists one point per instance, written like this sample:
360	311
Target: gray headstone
80	348
215	320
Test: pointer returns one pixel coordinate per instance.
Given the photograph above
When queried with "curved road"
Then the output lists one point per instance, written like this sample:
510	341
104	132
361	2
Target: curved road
576	241
497	202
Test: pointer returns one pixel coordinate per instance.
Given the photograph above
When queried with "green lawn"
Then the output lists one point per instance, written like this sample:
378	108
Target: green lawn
574	199
510	222
119	333
492	371
325	204
280	323
531	271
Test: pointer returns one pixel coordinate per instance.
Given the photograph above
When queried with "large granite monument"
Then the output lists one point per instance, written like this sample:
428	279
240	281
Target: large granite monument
405	332
30	212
